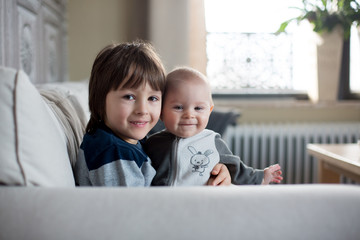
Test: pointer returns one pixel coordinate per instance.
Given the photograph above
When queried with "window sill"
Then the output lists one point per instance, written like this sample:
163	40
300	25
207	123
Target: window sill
282	102
290	110
262	96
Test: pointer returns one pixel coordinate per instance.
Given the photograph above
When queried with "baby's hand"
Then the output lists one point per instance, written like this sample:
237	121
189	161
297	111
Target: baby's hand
272	174
220	176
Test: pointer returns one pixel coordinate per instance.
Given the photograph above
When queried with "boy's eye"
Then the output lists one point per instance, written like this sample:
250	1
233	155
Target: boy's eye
129	97
153	99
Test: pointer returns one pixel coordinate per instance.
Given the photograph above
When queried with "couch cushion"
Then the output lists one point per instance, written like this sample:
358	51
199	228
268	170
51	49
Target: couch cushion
33	145
76	92
68	101
71	118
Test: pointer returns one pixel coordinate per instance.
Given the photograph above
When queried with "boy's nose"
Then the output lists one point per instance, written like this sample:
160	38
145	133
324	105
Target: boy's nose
141	107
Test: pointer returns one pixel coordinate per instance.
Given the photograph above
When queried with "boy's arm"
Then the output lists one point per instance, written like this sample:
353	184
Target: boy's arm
239	172
81	171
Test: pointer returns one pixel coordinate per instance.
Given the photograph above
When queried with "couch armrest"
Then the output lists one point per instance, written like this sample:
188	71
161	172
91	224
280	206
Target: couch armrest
247	212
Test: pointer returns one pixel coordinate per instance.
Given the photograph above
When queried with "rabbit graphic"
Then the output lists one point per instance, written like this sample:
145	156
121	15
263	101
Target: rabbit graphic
199	160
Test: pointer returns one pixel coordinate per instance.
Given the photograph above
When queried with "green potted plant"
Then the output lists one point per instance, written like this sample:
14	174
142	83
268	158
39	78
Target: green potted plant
325	15
332	20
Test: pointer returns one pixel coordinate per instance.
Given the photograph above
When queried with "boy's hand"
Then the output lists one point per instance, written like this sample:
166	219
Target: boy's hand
220	176
272	174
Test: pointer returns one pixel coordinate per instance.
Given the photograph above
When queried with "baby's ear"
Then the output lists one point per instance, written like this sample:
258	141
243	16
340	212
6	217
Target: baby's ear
211	108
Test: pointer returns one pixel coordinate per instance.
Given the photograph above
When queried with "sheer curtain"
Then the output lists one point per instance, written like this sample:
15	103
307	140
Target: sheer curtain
177	30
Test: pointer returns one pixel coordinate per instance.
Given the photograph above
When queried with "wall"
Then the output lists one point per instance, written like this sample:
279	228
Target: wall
93	24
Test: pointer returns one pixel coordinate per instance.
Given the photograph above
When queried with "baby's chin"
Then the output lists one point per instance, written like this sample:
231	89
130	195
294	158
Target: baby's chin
185	134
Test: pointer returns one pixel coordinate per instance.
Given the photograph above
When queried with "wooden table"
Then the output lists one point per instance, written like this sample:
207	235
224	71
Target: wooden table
335	160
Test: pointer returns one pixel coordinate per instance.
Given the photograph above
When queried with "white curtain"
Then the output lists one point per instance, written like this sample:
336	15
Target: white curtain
177	30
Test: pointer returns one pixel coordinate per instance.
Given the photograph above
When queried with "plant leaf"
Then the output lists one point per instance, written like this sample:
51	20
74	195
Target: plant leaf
283	26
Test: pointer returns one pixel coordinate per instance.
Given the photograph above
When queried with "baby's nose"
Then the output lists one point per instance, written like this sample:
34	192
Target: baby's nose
188	114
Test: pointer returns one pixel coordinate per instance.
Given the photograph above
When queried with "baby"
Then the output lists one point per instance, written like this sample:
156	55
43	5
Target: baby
185	152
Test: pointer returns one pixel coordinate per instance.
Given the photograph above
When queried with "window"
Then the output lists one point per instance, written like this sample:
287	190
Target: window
243	49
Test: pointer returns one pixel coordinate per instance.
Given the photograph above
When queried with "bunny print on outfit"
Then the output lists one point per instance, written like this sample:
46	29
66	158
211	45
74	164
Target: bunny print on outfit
189	161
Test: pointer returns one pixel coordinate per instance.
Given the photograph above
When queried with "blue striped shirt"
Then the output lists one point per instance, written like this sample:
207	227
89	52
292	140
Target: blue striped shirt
106	160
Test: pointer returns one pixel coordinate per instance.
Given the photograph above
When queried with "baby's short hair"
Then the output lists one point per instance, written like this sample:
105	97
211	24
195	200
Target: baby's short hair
183	75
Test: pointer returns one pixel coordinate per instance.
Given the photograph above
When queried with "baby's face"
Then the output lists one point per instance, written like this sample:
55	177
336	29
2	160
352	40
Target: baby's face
186	109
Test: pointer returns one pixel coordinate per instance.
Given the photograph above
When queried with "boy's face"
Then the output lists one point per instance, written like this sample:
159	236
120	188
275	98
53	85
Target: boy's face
132	113
186	109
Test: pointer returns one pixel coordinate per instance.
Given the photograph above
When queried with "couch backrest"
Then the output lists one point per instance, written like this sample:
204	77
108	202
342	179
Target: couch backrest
68	101
34	141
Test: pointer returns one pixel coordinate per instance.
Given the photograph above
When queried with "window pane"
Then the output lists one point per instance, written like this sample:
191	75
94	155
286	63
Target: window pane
249	60
243	53
248	16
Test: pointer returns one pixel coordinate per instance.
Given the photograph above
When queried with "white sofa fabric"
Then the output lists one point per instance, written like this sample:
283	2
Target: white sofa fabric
245	212
32	141
39	135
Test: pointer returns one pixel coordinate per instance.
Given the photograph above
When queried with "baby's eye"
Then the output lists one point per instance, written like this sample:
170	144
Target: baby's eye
178	107
129	97
153	99
198	108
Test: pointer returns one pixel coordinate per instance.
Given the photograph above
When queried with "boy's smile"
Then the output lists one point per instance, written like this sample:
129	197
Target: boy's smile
132	113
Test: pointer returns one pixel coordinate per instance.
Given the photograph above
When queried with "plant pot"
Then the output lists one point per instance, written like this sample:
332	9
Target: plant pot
329	55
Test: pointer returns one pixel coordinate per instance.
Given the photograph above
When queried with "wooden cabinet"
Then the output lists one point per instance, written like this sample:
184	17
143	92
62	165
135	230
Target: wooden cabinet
33	37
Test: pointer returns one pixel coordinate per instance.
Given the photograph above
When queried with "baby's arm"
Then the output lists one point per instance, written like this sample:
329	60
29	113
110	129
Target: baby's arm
239	172
220	176
272	174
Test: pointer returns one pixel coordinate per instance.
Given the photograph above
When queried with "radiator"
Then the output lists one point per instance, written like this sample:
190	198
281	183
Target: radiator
260	145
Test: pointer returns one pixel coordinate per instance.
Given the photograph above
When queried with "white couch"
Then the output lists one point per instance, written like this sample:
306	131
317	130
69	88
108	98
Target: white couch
38	199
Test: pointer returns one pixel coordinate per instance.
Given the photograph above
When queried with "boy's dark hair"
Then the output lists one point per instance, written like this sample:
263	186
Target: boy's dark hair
126	65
